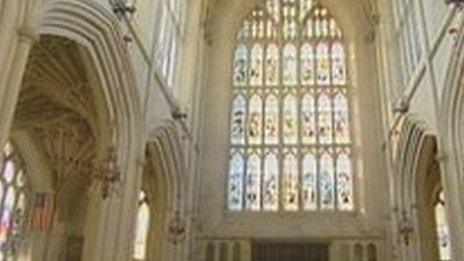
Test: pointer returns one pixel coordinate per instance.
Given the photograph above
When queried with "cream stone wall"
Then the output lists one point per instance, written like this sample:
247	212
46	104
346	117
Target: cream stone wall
425	92
371	218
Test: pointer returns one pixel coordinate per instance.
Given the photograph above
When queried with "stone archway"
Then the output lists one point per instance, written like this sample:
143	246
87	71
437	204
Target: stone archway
94	28
164	182
62	114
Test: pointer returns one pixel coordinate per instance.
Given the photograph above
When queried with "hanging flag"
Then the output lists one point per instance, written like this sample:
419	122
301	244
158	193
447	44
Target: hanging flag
43	211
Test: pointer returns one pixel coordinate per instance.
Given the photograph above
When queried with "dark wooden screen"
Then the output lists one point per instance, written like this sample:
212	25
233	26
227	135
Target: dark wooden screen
289	252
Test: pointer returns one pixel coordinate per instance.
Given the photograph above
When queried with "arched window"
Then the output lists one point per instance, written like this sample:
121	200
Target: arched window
141	232
290	127
442	228
170	34
12	202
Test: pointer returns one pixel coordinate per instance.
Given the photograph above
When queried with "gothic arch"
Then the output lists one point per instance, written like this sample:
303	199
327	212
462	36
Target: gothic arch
418	176
164	181
95	29
451	128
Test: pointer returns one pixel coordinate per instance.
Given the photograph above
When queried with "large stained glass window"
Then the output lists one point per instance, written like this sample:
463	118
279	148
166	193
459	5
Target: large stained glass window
12	202
290	134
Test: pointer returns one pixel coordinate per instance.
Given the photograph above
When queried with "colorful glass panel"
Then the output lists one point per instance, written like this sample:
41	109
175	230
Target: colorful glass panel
308	118
271	134
344	182
289	65
236	170
338	64
256	68
272	65
322	64
290	182
241	66
309	177
307	64
270	182
238	120
324	119
327	181
253	182
255	124
341	127
13	198
290	120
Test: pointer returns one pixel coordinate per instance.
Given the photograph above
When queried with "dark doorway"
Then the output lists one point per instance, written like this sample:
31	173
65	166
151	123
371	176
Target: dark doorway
289	252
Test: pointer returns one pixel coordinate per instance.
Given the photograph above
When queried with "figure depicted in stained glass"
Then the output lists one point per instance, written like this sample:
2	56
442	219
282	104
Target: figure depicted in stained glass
272	65
241	66
256	68
255	121
270	183
272	121
289	65
236	169
253	182
238	120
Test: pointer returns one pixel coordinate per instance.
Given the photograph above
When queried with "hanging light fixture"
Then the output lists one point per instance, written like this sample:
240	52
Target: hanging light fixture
177	228
455	4
108	174
406	228
122	7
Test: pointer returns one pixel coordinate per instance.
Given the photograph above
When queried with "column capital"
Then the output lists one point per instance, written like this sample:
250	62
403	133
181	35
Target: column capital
28	34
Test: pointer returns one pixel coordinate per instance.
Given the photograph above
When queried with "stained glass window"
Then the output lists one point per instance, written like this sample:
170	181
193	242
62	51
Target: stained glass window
291	146
13	202
141	231
442	229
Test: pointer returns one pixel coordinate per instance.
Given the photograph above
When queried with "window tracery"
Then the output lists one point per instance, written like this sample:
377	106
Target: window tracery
290	127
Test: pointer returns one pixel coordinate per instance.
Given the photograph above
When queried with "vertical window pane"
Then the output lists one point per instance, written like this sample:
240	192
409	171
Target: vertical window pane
344	182
327	181
272	120
325	119
322	64
238	119
270	182
236	170
338	64
256	70
241	66
255	120
290	120
253	182
309	182
290	182
272	65
341	128
308	118
307	64
289	65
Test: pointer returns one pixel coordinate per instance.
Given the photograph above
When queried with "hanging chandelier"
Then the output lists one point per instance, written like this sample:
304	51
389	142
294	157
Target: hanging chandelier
177	228
455	4
108	174
406	228
122	7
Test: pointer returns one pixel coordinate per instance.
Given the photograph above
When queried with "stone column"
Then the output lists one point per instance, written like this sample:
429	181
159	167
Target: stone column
12	73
